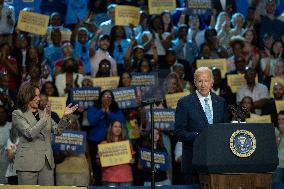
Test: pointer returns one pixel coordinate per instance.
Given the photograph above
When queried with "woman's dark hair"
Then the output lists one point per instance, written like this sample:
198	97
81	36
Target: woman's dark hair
281	112
25	95
29	61
252	104
32	67
254	40
169	29
151	23
113	105
271	50
113	38
120	79
101	74
75	64
160	143
43	90
141	62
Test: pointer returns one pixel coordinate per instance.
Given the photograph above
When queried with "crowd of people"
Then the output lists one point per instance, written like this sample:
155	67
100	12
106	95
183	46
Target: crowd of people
35	67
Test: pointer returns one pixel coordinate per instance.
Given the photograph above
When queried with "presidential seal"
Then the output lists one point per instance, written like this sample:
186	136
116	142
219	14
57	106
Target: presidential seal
242	143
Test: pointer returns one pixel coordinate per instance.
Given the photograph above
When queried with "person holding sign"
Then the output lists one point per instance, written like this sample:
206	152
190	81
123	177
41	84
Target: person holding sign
117	175
194	113
34	157
161	176
99	117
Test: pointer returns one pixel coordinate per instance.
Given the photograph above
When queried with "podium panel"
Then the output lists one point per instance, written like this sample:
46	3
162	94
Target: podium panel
236	148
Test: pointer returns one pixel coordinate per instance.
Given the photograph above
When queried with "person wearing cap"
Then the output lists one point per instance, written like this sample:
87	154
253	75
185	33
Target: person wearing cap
107	25
257	91
131	62
100	54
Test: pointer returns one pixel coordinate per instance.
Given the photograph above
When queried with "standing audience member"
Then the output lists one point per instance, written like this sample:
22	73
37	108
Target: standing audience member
117	175
7	22
34	157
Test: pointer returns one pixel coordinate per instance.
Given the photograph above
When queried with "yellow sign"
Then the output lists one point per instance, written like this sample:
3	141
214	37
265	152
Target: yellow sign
115	153
235	81
197	4
259	119
220	63
172	99
38	187
65	35
33	22
158	6
106	82
279	105
125	15
273	81
58	105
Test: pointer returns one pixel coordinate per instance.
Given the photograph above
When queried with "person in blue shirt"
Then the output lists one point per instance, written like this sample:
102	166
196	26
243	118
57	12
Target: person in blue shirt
100	117
119	44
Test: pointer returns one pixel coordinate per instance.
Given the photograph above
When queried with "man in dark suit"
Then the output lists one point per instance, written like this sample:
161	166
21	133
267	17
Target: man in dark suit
194	113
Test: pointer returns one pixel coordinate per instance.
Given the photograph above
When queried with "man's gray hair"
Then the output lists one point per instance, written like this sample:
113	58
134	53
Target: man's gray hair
202	70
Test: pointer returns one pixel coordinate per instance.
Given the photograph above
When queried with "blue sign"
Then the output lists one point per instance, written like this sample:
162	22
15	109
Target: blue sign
125	97
20	4
85	96
160	159
74	141
163	118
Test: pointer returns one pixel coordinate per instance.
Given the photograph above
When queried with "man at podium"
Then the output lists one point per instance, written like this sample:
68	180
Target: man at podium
194	113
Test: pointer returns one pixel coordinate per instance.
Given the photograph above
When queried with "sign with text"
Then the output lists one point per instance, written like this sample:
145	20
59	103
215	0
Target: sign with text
172	99
144	79
125	97
272	83
85	97
259	119
74	141
58	105
115	153
125	15
279	105
33	22
160	159
163	118
158	6
106	82
199	4
38	187
220	63
235	81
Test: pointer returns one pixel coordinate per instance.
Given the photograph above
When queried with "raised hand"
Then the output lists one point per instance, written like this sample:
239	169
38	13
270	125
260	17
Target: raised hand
70	109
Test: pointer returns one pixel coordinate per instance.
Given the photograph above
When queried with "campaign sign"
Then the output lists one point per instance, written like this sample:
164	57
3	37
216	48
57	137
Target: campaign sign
163	118
160	159
74	141
85	97
144	79
125	97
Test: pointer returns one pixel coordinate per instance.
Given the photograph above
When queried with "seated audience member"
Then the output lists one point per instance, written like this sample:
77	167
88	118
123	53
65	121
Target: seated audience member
278	175
5	128
269	107
100	54
42	104
257	91
69	77
73	170
161	177
118	175
99	116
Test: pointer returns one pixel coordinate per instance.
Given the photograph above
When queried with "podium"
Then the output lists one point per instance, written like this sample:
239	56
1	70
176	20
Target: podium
236	155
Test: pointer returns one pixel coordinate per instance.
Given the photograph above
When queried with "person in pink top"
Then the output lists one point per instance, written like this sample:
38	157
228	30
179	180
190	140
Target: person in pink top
118	175
100	54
